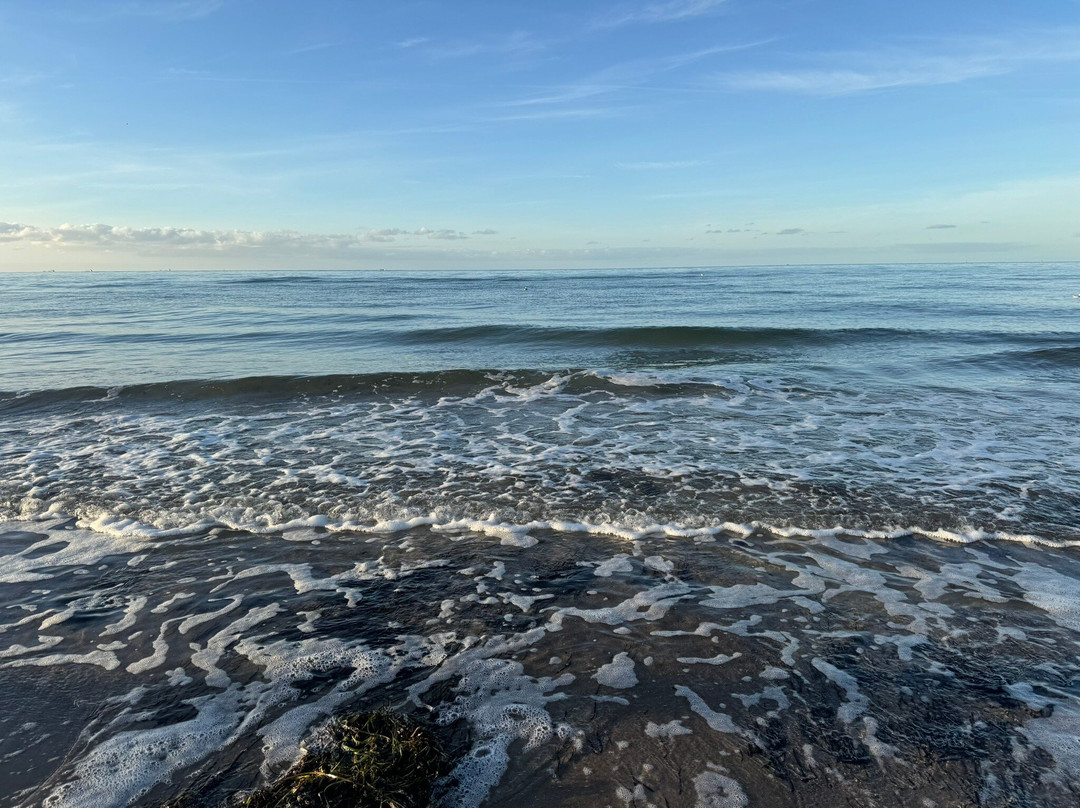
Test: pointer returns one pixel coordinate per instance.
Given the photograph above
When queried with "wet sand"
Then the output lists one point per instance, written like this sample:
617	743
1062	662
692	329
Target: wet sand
726	670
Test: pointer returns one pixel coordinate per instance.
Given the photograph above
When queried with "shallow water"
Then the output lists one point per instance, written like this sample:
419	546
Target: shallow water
787	536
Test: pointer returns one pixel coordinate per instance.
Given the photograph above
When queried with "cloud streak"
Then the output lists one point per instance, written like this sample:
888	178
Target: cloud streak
160	10
949	62
106	236
661	165
513	44
670	11
625	76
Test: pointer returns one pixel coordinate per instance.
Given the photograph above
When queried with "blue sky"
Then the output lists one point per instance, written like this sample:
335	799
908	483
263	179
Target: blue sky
255	133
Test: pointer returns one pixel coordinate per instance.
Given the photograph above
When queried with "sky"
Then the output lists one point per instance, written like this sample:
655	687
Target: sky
262	134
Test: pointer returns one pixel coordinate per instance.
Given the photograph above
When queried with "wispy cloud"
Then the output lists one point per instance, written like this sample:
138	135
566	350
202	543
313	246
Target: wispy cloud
186	238
21	78
442	234
161	10
846	82
932	63
554	114
516	43
318	46
662	165
670	11
625	76
940	226
965	247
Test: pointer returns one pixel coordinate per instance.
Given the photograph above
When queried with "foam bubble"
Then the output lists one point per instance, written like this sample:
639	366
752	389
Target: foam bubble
156	659
619	673
719	659
618	564
671	729
719	722
651	604
135	604
1057	734
103	659
716	790
501	704
1054	593
73	548
124	767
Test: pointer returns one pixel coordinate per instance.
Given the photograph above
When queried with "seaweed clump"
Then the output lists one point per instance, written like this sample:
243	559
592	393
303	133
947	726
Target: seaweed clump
377	760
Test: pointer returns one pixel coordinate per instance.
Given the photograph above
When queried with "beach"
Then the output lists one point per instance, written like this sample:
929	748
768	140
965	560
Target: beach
704	537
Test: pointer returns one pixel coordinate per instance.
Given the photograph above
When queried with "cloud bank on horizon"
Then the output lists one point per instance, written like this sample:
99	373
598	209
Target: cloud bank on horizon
248	133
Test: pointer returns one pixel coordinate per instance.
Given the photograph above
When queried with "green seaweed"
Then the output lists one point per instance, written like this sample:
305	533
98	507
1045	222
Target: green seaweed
376	760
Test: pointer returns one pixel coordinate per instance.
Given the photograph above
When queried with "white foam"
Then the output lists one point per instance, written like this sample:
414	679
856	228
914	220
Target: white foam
59	617
1024	692
122	768
1054	593
501	704
206	658
671	729
659	563
173	525
103	659
718	722
716	790
156	659
310	618
905	643
164	607
524	602
601	699
77	548
284	663
703	630
618	564
619	673
177	677
198	619
1057	734
44	644
854	707
302	577
774	694
651	604
135	605
856	702
719	659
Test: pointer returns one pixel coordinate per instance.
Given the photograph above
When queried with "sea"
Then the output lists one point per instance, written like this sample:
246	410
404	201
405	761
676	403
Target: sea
716	537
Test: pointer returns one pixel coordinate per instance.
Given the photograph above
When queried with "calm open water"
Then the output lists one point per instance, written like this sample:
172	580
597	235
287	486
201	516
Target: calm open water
721	537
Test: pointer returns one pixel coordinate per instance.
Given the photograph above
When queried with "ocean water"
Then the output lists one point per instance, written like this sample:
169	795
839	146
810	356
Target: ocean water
775	536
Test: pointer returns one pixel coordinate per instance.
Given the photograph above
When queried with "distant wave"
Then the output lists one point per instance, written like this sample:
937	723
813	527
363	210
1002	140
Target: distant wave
122	527
629	337
367	329
691	336
276	388
710	344
264	280
1052	357
1065	356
